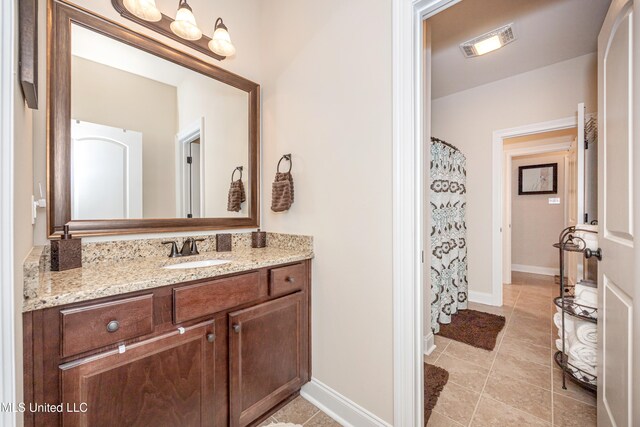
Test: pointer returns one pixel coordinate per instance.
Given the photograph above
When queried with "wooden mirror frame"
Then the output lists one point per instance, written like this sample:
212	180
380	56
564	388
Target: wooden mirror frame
59	20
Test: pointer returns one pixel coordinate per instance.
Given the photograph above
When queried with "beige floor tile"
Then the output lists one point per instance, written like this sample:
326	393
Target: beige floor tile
492	413
573	390
500	311
541	323
268	421
431	358
322	420
526	351
569	412
457	403
532	335
439	420
520	395
463	373
297	411
523	371
441	342
477	356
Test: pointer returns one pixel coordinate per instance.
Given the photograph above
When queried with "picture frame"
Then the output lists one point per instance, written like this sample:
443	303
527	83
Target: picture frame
538	179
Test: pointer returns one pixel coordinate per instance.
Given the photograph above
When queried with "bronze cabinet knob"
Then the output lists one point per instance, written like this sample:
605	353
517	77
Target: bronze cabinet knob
237	328
211	337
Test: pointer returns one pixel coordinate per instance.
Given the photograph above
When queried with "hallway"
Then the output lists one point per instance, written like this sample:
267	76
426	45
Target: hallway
516	384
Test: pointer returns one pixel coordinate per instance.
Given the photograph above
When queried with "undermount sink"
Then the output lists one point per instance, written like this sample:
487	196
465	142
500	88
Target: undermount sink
197	264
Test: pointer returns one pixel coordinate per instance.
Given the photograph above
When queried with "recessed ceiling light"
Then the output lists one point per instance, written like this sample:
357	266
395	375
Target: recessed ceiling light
488	42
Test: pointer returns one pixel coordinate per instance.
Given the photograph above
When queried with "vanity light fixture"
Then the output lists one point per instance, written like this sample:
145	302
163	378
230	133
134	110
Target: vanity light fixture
488	42
144	9
182	29
221	41
185	25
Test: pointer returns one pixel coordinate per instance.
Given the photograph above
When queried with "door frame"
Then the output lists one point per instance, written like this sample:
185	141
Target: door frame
498	194
185	136
509	154
8	375
409	103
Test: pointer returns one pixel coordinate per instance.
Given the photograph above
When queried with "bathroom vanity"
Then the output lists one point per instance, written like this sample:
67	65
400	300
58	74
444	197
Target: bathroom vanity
227	348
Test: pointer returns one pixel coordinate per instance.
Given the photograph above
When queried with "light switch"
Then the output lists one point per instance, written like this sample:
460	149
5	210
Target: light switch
554	200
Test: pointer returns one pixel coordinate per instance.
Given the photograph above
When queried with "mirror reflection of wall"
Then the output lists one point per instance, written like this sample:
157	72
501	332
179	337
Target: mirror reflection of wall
150	138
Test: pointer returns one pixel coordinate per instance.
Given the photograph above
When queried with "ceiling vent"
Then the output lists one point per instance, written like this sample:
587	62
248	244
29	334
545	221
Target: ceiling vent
488	42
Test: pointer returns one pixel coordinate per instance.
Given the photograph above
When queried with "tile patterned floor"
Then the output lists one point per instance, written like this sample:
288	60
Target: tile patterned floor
303	412
516	384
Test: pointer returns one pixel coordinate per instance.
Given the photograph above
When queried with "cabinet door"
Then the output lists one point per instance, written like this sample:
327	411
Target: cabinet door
268	356
163	381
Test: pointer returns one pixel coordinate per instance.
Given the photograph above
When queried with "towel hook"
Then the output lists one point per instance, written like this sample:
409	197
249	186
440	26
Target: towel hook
239	168
288	158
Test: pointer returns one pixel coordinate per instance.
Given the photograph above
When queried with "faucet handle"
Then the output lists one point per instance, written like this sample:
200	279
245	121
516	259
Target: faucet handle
174	248
194	246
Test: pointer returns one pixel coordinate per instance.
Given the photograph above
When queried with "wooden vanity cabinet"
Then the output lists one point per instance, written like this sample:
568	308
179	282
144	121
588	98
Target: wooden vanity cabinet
231	367
268	354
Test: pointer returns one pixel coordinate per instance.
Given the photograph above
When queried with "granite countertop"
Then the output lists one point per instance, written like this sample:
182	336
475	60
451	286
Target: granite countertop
107	275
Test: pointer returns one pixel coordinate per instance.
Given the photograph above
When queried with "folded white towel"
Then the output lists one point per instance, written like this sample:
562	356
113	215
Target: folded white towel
587	333
584	353
588	296
587	369
568	322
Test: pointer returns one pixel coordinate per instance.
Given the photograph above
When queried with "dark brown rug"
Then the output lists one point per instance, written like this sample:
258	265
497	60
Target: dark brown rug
475	328
434	380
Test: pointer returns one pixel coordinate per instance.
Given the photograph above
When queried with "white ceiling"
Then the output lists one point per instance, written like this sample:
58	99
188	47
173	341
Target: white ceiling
547	31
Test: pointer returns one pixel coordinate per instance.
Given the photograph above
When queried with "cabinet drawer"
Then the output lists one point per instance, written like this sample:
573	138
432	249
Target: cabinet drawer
192	302
98	325
287	279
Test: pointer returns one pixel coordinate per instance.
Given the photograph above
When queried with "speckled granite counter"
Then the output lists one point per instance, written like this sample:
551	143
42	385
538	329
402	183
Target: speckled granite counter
113	268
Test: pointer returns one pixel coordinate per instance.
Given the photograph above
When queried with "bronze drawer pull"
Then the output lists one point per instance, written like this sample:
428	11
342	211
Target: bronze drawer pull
290	279
113	326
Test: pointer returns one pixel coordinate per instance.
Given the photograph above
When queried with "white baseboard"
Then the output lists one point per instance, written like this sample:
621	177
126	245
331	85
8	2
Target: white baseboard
483	298
429	344
547	271
339	407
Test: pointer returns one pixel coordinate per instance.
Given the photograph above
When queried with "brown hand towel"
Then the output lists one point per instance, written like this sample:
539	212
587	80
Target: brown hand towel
282	192
236	196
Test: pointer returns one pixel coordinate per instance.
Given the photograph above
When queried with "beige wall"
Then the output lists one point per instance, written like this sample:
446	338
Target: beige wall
327	100
468	119
151	107
225	110
535	223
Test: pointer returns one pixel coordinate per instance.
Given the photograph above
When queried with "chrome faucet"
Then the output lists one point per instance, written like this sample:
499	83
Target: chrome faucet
189	247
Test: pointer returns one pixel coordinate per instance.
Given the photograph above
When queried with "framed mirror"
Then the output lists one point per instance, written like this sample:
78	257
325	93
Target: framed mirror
142	137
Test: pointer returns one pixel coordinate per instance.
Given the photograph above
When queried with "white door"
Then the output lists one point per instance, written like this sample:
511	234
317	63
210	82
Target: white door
618	162
106	172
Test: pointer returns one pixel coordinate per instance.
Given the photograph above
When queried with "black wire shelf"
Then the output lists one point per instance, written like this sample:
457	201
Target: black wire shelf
577	375
572	308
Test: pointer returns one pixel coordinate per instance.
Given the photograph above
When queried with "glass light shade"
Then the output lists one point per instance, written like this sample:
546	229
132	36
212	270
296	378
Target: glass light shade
488	45
221	43
143	9
185	24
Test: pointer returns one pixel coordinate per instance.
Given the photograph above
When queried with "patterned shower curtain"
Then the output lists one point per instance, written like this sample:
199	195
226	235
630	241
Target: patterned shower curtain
448	232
